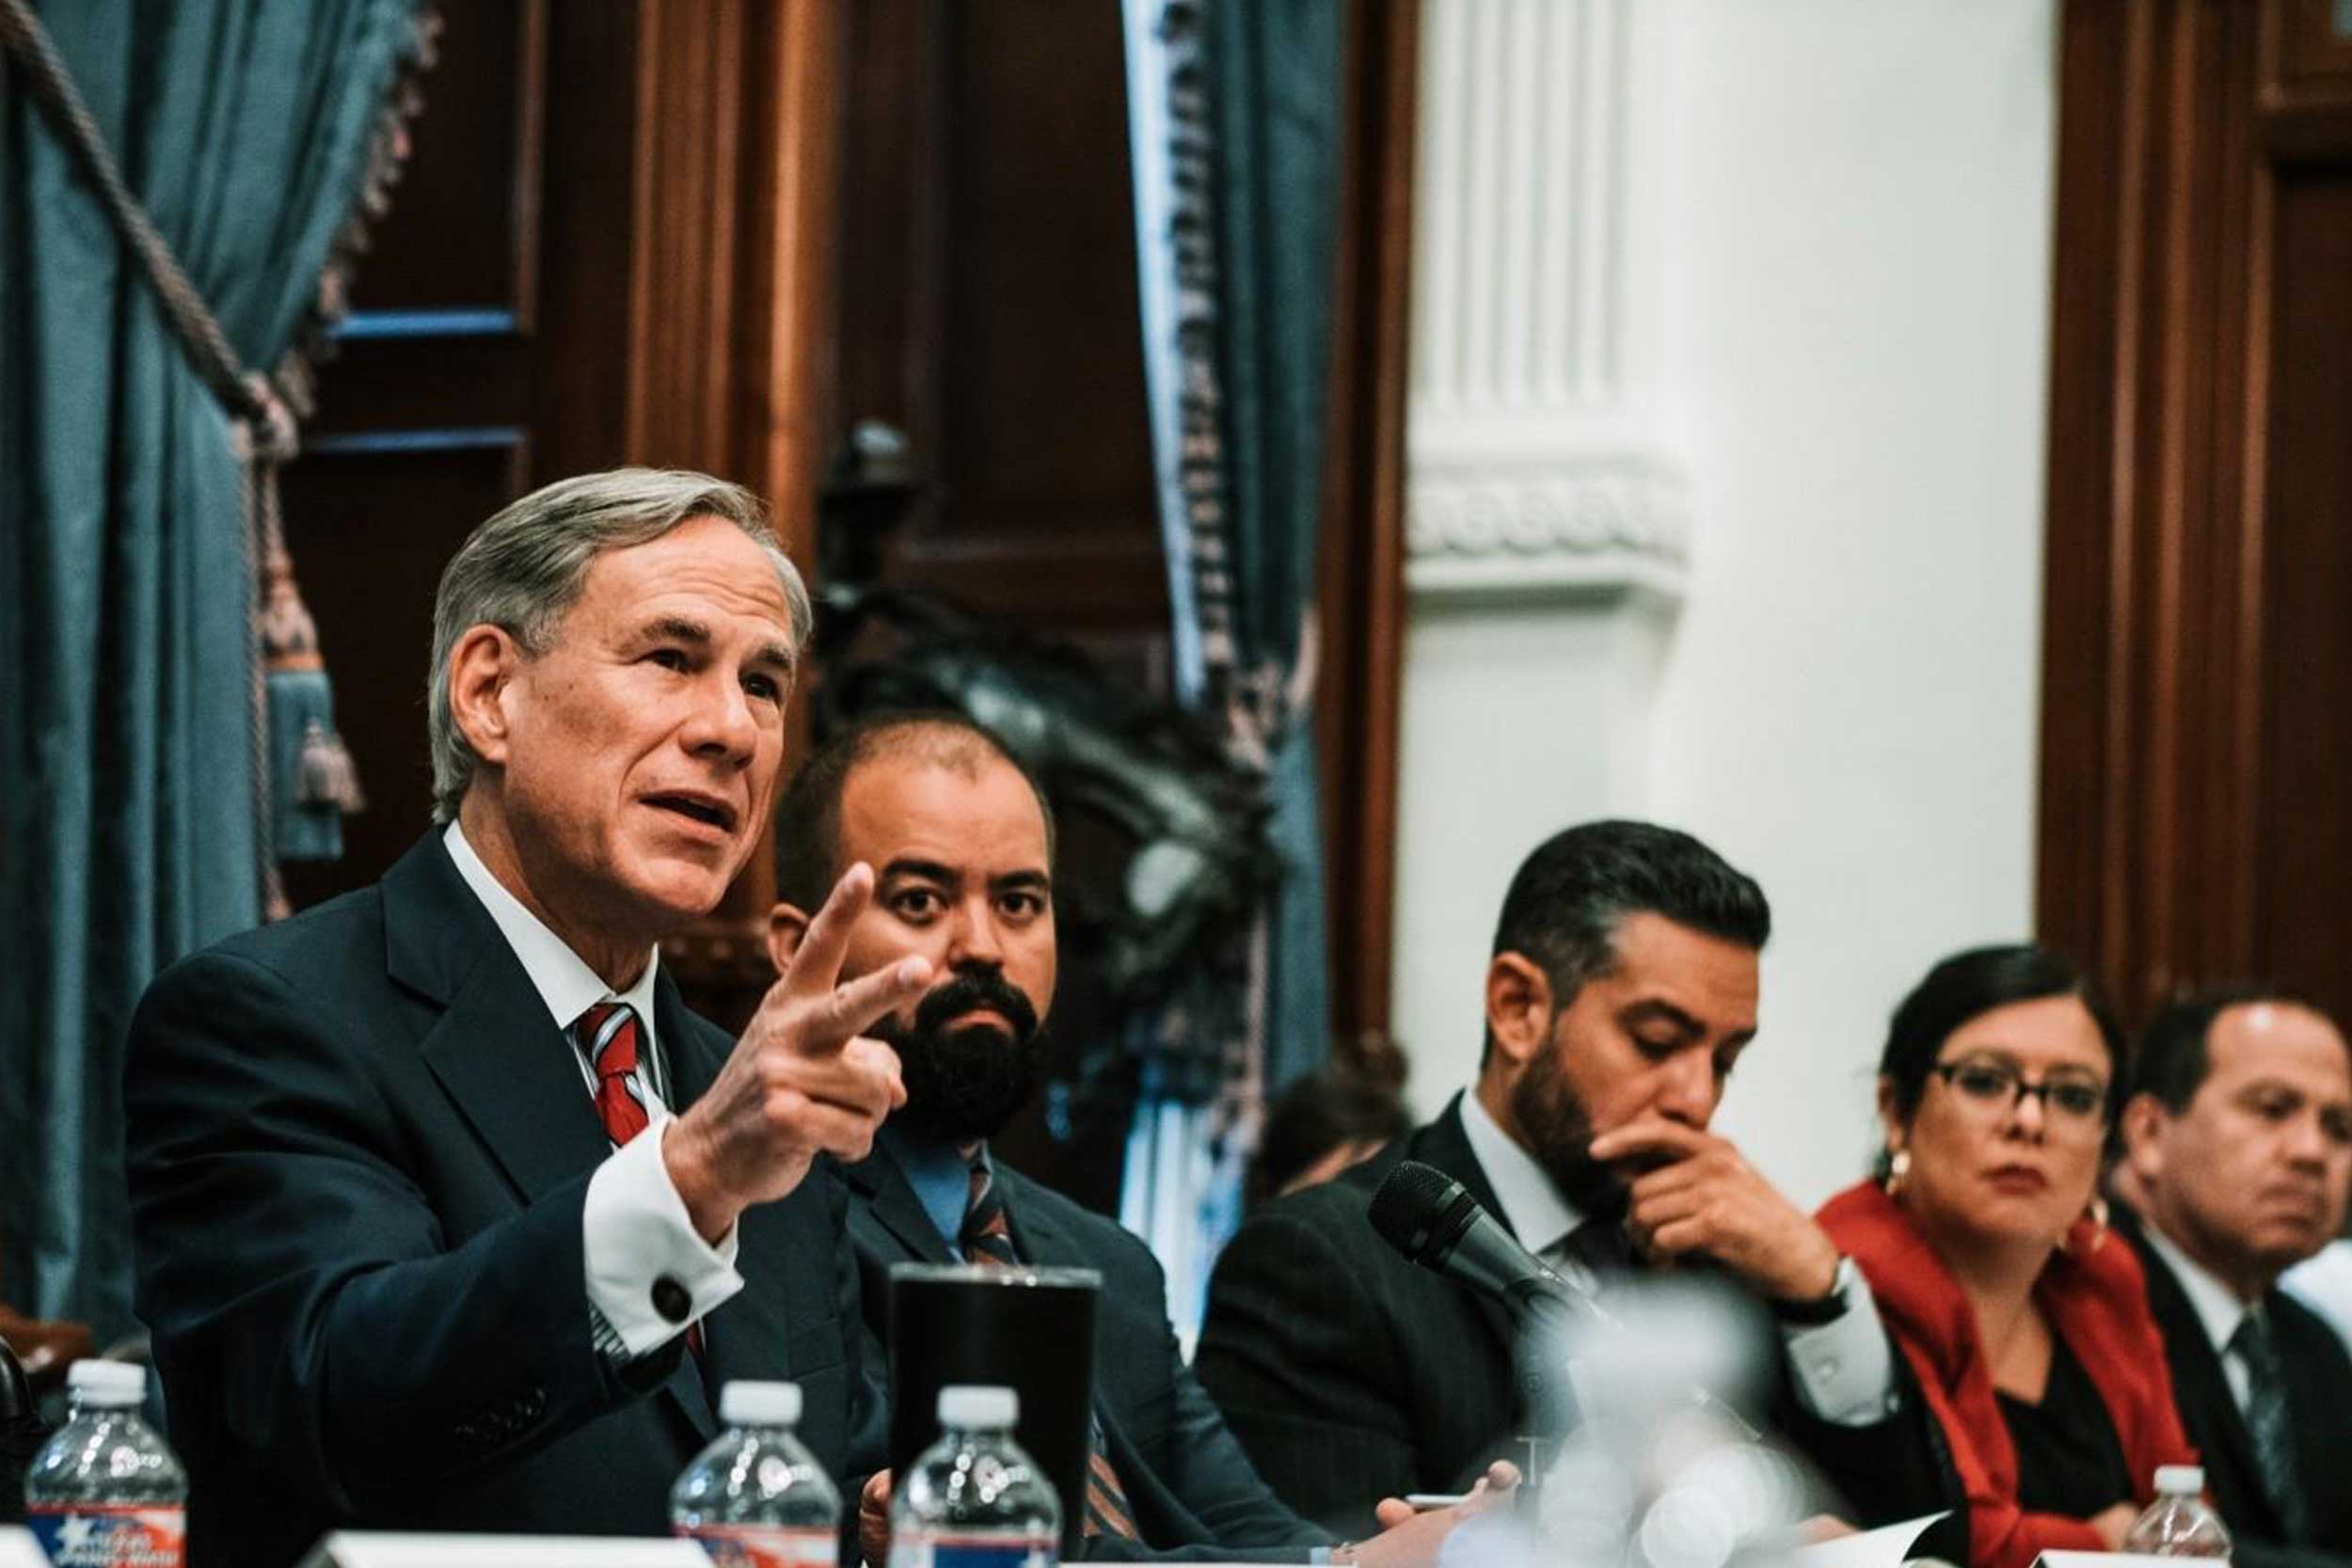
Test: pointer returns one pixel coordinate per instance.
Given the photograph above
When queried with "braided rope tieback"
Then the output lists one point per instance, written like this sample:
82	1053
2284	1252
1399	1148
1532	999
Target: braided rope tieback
282	636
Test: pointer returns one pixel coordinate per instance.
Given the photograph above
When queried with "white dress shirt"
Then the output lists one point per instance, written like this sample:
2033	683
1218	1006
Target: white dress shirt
1845	1373
635	1227
2217	1308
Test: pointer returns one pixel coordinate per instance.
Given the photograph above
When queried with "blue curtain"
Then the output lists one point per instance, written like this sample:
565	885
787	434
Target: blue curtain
247	128
1236	119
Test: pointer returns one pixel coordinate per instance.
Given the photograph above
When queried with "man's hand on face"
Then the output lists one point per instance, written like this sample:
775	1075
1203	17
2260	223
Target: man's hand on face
1703	1197
803	1080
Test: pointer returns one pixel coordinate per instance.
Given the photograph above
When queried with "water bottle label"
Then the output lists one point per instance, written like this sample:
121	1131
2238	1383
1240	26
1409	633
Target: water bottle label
102	1535
765	1545
974	1551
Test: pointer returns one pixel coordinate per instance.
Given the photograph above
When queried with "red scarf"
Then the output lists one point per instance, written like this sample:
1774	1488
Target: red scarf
2095	1298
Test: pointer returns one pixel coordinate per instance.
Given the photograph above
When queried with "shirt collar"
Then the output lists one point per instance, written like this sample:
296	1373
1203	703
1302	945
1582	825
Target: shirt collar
2218	1306
560	977
1532	1205
941	1177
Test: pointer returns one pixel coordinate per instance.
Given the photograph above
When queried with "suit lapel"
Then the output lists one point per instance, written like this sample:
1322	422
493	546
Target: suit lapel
889	1197
495	1050
498	1053
2204	1384
1444	1143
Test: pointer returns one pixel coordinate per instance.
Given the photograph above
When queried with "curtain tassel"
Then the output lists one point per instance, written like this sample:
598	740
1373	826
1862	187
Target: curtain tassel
315	784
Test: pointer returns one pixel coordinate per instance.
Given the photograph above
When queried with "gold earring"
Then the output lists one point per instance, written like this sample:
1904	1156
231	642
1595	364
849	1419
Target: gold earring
1897	1171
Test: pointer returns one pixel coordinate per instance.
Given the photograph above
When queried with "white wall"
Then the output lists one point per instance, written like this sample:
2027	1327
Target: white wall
1851	202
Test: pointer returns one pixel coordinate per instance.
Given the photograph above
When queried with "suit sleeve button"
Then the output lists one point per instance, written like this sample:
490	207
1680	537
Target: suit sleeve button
671	1300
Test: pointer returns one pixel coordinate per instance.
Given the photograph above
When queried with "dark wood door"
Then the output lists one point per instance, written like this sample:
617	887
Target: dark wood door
2196	735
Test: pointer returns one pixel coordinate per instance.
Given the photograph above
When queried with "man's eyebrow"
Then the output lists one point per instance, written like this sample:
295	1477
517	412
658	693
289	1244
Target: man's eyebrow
934	871
685	629
676	629
1036	881
1653	1006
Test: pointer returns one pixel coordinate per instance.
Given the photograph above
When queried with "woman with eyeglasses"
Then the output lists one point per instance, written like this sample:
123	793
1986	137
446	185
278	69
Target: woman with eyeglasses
1985	1246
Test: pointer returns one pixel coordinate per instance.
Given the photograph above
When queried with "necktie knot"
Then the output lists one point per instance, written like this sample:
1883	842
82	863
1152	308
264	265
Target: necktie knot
606	1034
987	1233
607	1037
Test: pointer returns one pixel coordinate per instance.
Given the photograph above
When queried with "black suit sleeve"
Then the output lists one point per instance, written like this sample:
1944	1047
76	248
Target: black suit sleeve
295	1277
1296	1354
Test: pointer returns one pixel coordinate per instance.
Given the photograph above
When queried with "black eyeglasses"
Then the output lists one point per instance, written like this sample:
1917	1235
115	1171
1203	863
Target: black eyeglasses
2075	1101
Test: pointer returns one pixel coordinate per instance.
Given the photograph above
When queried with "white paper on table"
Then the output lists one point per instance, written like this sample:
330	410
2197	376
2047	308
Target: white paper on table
397	1549
1888	1546
2110	1560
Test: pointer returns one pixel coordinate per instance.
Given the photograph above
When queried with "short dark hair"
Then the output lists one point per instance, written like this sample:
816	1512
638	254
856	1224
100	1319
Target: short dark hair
1568	899
808	818
1971	984
2174	1055
1334	1105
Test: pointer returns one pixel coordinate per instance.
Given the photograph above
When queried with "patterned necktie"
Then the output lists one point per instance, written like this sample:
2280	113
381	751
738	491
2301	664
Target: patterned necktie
1603	1247
986	1238
608	1039
607	1035
2272	1425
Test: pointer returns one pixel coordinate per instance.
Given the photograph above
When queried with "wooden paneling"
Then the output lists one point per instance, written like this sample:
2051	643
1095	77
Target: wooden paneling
988	311
610	245
1360	590
2192	567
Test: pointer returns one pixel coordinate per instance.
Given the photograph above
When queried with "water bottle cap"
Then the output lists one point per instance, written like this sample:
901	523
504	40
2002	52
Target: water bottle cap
106	1382
977	1404
745	1403
2181	1480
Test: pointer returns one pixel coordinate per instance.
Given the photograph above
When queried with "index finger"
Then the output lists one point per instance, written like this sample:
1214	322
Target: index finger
1650	1135
816	966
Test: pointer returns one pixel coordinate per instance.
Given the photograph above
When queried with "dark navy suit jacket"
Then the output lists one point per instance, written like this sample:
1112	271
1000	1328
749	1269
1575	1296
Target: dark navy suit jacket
1351	1374
1193	1490
358	1149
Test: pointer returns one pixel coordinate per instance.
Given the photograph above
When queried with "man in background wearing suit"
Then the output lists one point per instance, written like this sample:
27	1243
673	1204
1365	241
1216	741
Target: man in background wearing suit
2238	1157
960	838
421	1241
1621	994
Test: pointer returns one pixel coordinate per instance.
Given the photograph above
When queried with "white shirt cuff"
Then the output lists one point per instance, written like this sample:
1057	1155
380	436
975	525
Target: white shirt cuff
1845	1368
649	1273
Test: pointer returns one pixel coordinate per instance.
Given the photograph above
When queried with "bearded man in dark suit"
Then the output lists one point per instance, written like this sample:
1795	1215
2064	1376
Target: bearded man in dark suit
960	839
2239	1159
449	1214
1621	994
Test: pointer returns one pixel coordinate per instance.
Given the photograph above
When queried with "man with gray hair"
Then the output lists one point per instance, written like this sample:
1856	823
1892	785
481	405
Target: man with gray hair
449	1214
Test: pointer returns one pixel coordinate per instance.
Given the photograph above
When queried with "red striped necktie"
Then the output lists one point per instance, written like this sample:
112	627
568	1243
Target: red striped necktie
986	1238
607	1037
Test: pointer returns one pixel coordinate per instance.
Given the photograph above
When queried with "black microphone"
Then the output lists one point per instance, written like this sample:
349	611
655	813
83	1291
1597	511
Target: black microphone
1434	1221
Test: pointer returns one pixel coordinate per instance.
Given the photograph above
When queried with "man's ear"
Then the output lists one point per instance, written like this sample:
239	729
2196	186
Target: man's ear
480	668
1518	1006
787	926
2143	1126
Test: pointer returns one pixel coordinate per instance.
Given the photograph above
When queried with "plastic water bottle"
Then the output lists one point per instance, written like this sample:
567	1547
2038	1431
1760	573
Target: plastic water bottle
105	1492
757	1497
2178	1523
974	1499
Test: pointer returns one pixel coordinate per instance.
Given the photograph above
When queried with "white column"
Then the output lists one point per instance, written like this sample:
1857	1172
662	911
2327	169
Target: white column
1547	524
